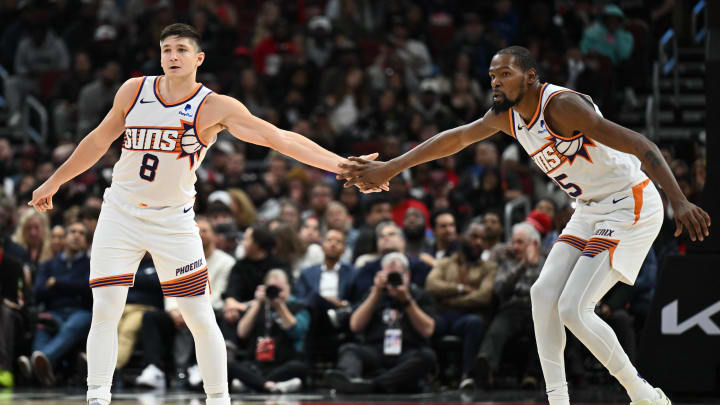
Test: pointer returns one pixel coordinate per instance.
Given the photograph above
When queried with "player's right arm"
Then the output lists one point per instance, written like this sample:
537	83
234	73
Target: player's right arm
90	149
445	143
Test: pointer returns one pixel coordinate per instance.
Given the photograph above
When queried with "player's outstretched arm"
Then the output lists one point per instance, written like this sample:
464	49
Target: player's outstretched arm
445	143
90	149
568	113
232	115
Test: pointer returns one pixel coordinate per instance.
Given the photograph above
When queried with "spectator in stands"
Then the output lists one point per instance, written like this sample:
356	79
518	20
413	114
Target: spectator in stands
33	235
14	290
61	286
337	217
57	240
97	97
324	287
377	209
607	36
396	319
310	238
514	317
543	224
445	230
462	285
390	239
417	241
320	196
275	327
401	200
39	52
163	327
249	272
146	295
494	248
471	40
66	94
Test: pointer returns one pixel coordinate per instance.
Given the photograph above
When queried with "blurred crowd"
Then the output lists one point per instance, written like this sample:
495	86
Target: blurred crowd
314	284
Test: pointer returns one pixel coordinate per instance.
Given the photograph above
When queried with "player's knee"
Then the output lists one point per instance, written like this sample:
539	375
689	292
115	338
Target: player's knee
108	304
569	309
542	297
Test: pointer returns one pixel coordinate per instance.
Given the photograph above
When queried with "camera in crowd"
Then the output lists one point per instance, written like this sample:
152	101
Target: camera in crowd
272	292
394	278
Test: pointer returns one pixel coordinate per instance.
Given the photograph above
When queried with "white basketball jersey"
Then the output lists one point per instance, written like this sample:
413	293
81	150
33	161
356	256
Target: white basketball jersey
584	168
161	148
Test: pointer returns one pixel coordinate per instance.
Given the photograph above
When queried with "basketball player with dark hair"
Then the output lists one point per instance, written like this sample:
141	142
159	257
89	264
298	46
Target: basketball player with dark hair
618	215
167	122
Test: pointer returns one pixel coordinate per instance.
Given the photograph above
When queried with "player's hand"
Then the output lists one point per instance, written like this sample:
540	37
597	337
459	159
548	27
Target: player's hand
693	218
365	173
42	196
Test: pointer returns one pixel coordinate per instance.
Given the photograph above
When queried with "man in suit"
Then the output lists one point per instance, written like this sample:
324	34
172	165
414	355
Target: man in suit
323	287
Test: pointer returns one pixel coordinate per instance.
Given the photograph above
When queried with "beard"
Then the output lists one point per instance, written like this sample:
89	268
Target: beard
471	254
414	233
506	104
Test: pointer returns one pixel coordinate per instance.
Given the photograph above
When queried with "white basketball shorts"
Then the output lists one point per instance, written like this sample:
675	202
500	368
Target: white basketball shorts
125	231
624	223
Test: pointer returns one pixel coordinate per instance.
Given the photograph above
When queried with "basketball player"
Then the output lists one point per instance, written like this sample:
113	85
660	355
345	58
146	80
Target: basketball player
618	214
168	122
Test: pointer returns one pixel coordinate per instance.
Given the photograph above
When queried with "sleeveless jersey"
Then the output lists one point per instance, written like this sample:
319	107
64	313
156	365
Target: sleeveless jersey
584	168
161	148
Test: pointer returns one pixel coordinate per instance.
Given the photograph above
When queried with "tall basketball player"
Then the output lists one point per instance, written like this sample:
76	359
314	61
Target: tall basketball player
168	122
618	214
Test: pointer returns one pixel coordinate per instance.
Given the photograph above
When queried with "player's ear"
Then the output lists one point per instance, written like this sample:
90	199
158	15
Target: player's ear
200	58
531	76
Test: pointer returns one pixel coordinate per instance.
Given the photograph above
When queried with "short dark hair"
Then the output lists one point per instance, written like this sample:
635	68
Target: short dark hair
377	200
523	57
182	31
437	213
263	238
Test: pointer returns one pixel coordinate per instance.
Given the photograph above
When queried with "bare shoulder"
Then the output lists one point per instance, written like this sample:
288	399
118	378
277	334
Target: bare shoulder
127	92
569	112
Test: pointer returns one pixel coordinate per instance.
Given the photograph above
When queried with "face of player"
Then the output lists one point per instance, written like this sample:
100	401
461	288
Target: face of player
179	56
508	81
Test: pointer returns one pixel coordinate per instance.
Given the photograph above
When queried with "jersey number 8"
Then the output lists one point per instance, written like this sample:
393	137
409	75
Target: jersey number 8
148	167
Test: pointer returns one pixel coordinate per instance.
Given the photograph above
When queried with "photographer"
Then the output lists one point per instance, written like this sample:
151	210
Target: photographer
275	326
395	319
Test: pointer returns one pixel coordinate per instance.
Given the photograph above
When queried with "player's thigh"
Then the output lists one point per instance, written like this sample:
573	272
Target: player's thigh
180	263
116	249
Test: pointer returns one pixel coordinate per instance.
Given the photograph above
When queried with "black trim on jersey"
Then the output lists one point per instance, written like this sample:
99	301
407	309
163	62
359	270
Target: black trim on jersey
137	96
187	100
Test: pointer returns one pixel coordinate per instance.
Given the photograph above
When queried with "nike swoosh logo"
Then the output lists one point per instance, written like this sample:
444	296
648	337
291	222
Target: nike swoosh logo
617	201
142	101
186	210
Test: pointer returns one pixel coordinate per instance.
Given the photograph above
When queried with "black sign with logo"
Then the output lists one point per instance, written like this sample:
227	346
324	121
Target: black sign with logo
680	347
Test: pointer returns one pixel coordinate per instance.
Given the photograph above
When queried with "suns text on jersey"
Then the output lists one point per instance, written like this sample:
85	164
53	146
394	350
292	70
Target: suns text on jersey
547	158
156	139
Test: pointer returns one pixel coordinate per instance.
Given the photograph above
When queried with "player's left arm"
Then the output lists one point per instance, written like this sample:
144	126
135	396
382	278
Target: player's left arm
232	115
568	113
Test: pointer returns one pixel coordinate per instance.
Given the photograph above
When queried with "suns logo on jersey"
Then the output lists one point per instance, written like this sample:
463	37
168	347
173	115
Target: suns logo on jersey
181	140
559	150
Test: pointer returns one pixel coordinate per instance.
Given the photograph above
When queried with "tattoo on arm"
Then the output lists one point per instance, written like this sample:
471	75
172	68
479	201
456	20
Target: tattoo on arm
652	158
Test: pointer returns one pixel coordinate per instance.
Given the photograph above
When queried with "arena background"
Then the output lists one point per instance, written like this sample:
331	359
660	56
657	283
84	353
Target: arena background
359	76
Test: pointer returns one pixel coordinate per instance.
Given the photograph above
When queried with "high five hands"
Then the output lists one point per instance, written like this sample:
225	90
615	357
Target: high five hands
365	173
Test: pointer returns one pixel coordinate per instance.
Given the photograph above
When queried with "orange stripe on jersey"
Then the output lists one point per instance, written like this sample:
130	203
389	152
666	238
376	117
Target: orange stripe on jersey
165	103
511	118
596	245
537	109
134	100
637	191
121	279
573	241
184	278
